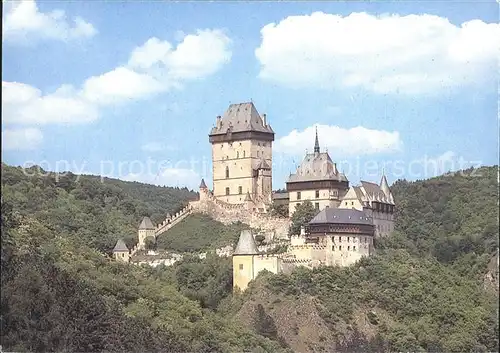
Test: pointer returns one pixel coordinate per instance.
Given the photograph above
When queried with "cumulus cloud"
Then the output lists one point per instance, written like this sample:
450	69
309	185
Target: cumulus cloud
385	54
176	177
151	70
197	55
21	139
24	104
355	141
24	22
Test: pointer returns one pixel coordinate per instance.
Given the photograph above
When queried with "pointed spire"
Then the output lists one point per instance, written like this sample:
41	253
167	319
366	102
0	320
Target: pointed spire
202	184
316	142
384	186
248	197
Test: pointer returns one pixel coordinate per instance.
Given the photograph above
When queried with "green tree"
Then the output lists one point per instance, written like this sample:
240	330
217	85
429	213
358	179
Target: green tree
302	215
278	210
150	243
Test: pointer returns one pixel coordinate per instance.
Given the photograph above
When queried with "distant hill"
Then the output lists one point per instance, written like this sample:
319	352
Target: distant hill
95	212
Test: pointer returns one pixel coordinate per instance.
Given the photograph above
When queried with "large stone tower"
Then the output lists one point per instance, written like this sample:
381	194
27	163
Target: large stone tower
242	155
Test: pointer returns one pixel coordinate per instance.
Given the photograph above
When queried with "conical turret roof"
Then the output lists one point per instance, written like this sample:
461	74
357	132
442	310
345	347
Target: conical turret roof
246	244
146	224
248	197
120	246
202	184
384	186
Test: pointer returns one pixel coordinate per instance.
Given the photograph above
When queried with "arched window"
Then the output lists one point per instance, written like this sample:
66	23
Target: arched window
227	172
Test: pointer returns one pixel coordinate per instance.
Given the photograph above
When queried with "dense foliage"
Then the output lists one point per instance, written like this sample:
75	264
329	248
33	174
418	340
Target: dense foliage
431	307
86	209
199	232
452	217
60	294
207	281
301	216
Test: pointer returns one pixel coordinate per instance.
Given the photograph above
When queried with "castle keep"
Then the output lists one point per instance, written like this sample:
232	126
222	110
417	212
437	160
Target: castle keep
242	155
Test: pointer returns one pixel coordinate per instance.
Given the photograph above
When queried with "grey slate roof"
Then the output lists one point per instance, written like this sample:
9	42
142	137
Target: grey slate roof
241	117
341	215
120	246
202	184
246	244
146	224
248	197
317	166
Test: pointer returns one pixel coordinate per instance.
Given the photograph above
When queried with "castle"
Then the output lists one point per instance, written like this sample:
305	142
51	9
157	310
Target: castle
348	218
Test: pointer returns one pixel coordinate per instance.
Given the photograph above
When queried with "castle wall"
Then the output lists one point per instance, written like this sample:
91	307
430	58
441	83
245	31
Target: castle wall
327	198
269	263
272	227
240	158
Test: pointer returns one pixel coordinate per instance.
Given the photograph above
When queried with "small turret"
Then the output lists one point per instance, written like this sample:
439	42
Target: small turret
202	184
121	251
146	229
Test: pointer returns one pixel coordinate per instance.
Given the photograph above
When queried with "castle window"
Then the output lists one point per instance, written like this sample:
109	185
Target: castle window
340	247
352	203
353	248
227	172
298	195
340	239
240	190
333	247
227	191
317	194
348	248
316	205
366	239
348	239
241	266
237	154
243	154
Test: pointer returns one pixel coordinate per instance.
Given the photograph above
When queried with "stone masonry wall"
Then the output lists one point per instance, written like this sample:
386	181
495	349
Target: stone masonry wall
272	227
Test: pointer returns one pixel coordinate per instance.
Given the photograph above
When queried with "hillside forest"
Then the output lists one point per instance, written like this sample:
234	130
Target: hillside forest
431	286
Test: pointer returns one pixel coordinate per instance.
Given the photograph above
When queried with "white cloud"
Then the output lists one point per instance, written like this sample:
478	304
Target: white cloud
386	54
153	68
23	22
175	177
196	56
118	85
24	104
21	139
339	141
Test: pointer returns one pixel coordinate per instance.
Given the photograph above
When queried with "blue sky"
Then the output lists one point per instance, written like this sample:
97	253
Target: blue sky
406	86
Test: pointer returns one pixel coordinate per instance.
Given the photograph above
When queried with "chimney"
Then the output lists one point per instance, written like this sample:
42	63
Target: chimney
264	119
219	122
